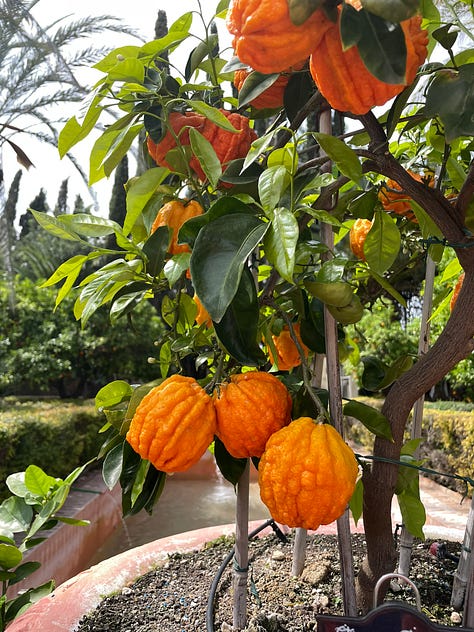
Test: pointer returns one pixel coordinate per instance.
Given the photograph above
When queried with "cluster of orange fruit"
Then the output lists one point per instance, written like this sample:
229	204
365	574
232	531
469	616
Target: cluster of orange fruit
307	473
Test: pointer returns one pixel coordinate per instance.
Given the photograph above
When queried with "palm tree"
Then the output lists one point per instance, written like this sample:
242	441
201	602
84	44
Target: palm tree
38	73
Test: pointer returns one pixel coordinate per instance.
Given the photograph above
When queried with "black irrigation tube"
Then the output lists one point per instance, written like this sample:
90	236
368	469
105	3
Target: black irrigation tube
215	582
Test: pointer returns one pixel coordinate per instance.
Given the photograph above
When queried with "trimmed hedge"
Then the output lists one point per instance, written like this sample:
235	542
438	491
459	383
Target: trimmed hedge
53	434
448	439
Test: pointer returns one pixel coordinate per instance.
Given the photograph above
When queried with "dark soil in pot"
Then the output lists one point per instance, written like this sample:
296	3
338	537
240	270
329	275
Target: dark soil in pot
174	597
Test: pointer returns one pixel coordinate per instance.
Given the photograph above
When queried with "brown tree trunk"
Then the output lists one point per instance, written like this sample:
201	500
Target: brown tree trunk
454	344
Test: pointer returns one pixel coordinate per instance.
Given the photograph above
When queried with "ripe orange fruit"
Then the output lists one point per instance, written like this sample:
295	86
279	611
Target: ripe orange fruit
287	352
174	214
250	407
307	474
357	236
174	424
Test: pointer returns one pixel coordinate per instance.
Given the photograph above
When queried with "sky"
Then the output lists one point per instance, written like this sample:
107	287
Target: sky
49	170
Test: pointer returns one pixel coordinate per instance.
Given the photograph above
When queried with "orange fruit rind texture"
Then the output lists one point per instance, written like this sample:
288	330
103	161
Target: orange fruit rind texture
250	407
307	474
173	425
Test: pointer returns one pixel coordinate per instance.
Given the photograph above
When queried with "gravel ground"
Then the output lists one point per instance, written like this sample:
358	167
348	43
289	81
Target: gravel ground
174	597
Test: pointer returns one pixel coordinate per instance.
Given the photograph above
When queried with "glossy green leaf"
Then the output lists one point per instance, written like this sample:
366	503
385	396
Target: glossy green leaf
38	482
382	281
345	158
112	394
129	69
271	185
392	10
10	556
71	267
89	225
451	97
356	503
380	43
125	303
176	267
301	10
280	242
139	193
207	157
220	252
255	83
213	114
413	514
382	243
198	54
23	571
73	131
109	149
54	226
130	465
230	467
151	490
238	328
155	249
177	32
370	417
15	515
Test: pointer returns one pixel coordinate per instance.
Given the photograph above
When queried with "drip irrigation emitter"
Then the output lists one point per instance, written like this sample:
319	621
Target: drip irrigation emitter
215	582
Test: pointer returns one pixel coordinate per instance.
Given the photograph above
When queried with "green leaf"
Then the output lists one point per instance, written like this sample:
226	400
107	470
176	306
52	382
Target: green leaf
271	185
356	503
151	490
220	252
155	249
238	328
413	514
38	482
73	132
213	114
89	225
230	467
112	466
73	521
204	152
109	149
10	556
371	418
71	267
301	10
451	97
382	243
345	158
112	394
382	281
15	515
255	83
129	69
380	43
176	266
23	571
392	10
280	242
139	194
198	54
54	226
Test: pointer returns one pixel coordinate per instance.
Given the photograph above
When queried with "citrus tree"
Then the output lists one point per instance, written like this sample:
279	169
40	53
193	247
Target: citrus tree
227	232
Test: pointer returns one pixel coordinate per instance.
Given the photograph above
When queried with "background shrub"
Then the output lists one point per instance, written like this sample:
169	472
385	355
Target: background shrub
447	439
55	435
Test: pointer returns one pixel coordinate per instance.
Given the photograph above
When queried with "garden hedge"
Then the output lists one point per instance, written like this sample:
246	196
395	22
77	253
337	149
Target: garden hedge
53	434
448	439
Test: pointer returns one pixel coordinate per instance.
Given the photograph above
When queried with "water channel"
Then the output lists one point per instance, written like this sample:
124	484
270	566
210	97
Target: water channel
187	503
